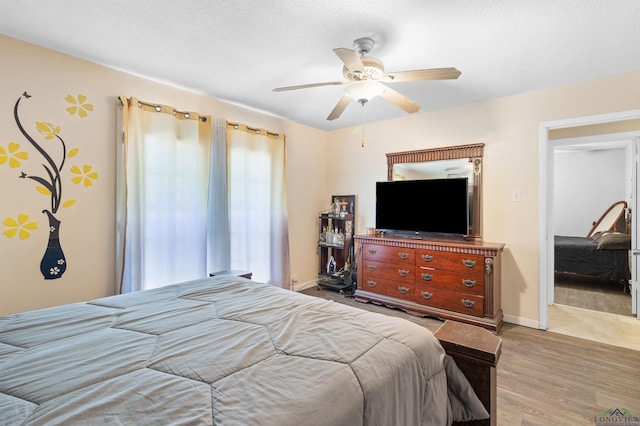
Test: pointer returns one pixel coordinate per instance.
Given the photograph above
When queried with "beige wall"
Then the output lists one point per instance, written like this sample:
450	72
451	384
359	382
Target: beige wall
318	164
509	129
87	231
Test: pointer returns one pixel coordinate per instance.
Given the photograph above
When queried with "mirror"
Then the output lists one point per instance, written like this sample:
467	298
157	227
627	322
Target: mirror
436	163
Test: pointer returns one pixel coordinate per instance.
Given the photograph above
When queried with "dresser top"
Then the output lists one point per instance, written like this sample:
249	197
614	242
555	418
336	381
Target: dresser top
430	243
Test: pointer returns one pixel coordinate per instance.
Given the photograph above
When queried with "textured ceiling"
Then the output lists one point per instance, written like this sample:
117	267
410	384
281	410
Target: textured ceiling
238	51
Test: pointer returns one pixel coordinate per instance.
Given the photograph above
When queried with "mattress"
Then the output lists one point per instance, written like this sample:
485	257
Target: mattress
224	351
581	255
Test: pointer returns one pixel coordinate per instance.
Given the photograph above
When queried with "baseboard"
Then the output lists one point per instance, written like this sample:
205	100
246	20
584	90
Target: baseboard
304	286
525	322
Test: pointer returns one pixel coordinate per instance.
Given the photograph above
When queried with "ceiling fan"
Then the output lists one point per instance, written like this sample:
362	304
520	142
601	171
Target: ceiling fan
365	77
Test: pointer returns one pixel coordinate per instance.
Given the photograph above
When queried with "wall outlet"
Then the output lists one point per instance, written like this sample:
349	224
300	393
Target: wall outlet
515	196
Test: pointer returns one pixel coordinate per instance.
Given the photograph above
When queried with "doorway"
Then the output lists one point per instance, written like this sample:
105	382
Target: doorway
603	129
590	177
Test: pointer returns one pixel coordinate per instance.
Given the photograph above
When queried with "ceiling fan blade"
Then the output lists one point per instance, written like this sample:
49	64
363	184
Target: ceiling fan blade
399	100
428	74
350	59
339	108
306	86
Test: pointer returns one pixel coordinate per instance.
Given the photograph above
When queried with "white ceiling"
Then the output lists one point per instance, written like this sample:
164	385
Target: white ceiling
238	51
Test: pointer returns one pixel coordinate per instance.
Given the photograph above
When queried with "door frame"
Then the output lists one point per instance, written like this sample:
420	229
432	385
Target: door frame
546	149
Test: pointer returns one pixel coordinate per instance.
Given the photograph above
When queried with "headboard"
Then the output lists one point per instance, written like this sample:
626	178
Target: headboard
613	219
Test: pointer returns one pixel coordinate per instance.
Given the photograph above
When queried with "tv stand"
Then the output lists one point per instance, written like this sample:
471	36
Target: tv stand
446	279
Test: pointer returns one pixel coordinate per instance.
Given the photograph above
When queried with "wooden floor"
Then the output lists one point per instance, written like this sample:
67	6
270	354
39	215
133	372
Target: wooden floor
545	378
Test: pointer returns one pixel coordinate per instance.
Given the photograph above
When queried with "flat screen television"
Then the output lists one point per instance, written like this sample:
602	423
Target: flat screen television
423	207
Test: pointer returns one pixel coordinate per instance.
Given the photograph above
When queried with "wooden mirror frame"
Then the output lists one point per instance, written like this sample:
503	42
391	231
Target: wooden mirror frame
473	152
613	219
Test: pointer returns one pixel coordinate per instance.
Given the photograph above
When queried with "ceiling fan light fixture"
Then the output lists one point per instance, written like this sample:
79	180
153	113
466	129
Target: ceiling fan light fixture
363	76
364	90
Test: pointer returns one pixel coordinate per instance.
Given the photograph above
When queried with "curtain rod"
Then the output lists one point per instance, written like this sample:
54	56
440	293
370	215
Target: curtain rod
159	108
253	129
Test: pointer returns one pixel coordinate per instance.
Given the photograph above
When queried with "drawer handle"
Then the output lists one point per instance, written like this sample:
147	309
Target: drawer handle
427	277
373	251
469	263
468	303
469	283
403	290
371	267
403	255
371	283
403	272
427	295
427	257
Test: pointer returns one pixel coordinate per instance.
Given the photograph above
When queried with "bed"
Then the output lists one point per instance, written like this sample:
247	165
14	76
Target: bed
582	255
225	351
603	253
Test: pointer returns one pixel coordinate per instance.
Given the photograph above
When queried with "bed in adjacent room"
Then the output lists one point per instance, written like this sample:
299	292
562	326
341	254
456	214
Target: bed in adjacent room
606	257
603	253
227	351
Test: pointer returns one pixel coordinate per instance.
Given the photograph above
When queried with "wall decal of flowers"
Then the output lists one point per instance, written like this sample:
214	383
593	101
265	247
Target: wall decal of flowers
20	226
78	105
53	263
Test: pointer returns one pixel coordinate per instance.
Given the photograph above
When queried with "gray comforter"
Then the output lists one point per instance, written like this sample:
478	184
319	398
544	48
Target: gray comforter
224	351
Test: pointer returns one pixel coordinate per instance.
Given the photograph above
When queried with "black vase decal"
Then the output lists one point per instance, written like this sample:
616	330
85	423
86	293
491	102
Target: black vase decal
53	263
54	154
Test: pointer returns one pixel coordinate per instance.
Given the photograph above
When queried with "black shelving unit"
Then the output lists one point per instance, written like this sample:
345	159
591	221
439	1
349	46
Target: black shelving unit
335	240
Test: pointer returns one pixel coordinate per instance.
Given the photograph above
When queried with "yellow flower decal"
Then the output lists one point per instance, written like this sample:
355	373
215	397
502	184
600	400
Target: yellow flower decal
85	175
68	203
22	226
43	190
12	155
80	105
48	130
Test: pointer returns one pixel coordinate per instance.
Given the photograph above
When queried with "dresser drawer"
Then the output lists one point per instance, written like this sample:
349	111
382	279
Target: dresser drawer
398	289
463	282
458	302
471	264
374	284
389	271
396	255
401	290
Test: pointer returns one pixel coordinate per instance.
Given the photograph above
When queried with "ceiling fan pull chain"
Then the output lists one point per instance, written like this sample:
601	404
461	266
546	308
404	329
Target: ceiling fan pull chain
362	122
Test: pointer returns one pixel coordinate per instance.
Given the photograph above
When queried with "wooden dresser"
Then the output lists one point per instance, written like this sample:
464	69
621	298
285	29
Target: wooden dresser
446	279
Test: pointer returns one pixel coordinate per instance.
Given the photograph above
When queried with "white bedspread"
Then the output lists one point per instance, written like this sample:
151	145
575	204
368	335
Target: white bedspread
223	351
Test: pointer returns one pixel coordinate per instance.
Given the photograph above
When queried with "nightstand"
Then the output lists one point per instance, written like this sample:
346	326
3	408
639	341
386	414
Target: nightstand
236	272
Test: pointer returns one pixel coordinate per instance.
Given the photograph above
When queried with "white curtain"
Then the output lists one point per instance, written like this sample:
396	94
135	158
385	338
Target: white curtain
258	219
218	245
164	195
